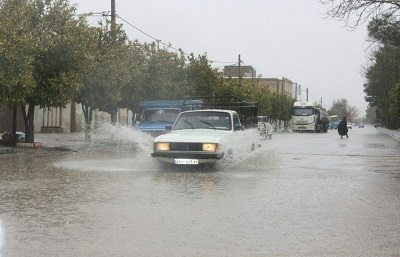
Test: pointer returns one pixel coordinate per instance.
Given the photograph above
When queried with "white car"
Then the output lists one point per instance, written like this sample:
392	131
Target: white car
204	136
349	125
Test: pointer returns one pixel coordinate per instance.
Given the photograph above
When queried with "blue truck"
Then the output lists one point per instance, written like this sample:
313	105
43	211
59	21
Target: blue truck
158	114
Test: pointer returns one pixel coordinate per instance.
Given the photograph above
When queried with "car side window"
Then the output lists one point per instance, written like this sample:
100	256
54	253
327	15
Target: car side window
236	121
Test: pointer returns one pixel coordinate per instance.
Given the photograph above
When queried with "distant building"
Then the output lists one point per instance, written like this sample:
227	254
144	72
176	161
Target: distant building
245	71
279	86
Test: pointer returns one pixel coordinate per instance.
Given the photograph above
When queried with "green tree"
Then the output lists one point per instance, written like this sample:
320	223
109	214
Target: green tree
131	91
163	74
108	74
384	30
53	55
202	79
384	71
382	76
394	97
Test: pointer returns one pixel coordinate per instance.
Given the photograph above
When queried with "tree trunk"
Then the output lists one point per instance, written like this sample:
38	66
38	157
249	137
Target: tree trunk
72	127
113	123
87	112
14	127
29	126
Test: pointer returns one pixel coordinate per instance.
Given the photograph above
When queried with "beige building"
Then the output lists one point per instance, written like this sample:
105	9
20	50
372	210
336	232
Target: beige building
233	71
71	118
279	86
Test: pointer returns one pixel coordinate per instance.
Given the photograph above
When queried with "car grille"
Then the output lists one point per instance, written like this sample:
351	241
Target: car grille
185	146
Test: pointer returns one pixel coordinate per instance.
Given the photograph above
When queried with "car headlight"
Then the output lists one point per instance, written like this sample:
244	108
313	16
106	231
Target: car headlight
161	146
210	147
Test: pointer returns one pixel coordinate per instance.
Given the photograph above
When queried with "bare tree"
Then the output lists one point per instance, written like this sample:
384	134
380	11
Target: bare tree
342	108
361	10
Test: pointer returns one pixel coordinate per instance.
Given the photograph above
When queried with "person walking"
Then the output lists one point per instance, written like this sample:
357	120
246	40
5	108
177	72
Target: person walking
342	128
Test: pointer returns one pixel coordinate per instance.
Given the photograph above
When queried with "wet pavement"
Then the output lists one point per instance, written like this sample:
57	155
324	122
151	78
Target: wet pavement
298	195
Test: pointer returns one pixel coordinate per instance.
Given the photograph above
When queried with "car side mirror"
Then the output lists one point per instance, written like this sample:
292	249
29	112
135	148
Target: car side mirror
239	128
169	127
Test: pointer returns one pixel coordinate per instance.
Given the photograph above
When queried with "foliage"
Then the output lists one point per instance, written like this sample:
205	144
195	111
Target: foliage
16	53
48	57
362	10
275	106
163	74
385	30
109	71
384	71
202	79
394	97
281	107
43	54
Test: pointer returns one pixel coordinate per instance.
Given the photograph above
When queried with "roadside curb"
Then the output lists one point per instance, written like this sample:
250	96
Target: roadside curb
30	145
393	133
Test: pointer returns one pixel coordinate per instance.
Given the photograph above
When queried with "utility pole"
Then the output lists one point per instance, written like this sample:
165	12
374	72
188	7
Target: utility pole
114	112
240	77
307	93
295	90
113	16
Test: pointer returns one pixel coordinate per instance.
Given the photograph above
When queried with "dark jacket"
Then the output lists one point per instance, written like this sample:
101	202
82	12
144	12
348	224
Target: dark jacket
342	127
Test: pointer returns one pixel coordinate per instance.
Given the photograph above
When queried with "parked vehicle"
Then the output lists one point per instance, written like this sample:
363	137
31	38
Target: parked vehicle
307	117
333	122
158	114
349	125
209	135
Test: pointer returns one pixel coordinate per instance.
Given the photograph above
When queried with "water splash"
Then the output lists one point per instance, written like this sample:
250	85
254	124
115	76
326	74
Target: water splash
126	149
110	149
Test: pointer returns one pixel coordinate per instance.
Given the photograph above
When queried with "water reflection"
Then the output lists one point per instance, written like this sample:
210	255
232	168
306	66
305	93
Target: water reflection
118	201
1	237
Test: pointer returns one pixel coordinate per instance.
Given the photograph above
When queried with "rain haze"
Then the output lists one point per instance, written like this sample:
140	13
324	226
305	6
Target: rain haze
279	38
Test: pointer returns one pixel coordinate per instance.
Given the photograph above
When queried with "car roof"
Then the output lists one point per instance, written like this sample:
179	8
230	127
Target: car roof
161	108
210	110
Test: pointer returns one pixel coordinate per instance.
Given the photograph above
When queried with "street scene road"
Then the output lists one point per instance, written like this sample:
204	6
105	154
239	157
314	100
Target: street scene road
299	194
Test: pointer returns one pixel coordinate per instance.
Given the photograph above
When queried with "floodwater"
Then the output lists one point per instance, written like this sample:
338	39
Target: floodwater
297	195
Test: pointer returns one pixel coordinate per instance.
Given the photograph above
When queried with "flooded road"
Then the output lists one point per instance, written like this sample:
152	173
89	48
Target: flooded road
297	195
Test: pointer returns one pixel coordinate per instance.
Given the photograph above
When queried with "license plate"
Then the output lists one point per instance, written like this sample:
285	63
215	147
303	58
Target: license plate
186	161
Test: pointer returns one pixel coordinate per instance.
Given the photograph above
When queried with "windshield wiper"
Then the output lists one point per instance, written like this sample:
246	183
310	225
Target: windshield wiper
190	124
205	122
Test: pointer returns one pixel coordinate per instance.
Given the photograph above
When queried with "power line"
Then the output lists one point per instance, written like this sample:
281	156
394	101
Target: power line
169	46
155	39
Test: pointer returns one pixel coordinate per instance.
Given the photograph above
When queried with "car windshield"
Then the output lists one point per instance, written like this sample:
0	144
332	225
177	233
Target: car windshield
302	111
204	120
160	115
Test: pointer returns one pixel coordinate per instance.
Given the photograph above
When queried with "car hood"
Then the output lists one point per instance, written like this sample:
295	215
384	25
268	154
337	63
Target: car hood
194	135
153	125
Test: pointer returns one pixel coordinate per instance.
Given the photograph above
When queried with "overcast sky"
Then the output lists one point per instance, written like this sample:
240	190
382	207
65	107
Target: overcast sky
279	38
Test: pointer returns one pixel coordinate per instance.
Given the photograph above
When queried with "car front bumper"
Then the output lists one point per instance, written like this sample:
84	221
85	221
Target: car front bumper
202	157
